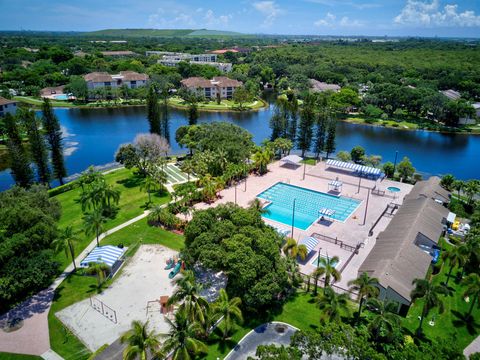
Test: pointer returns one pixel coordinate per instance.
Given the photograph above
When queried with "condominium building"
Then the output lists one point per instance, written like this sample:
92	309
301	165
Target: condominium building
7	106
131	79
221	85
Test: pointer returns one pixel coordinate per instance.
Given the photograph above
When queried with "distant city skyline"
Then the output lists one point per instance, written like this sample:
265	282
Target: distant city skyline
444	18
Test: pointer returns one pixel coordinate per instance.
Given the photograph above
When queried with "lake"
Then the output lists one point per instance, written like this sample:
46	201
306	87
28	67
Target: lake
93	135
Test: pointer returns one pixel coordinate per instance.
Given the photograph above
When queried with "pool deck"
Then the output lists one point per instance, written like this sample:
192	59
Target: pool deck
351	232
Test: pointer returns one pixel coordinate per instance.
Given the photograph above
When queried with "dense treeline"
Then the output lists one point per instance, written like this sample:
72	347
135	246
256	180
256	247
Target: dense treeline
29	228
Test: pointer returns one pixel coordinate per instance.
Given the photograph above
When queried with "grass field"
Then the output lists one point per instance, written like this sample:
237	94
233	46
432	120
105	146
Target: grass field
403	125
38	102
132	203
450	324
225	105
78	287
10	356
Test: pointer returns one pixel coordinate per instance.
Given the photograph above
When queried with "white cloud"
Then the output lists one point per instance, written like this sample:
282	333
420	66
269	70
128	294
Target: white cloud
211	19
269	9
330	20
432	14
183	17
361	6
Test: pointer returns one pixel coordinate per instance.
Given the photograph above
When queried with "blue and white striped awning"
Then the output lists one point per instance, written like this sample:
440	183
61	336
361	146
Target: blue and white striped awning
309	242
355	167
103	254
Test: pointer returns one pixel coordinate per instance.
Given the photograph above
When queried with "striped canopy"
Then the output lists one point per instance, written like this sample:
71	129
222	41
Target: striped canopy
335	183
103	254
355	167
309	242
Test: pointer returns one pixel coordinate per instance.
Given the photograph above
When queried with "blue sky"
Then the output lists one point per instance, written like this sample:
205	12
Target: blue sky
320	17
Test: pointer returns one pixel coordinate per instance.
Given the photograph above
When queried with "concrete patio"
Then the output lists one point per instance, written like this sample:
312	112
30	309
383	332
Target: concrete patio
355	230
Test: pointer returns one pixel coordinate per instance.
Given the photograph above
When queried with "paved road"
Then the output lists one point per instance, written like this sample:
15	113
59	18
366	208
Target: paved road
265	334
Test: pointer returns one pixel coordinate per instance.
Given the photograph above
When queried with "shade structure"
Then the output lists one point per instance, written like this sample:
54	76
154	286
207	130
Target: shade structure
367	170
309	242
282	231
291	159
335	183
107	255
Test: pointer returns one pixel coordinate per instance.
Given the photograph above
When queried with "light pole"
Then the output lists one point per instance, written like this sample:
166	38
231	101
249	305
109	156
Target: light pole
304	168
359	182
395	163
293	215
366	208
235	193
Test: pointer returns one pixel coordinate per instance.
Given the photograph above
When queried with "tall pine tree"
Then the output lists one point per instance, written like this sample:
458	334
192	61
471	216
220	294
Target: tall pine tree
305	128
153	111
51	126
320	133
330	145
19	163
38	147
293	119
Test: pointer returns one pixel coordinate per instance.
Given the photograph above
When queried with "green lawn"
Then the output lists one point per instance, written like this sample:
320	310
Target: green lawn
10	356
38	101
78	287
309	161
132	202
450	324
141	233
74	288
227	105
403	125
300	311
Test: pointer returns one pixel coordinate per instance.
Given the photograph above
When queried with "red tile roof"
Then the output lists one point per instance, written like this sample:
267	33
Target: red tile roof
4	101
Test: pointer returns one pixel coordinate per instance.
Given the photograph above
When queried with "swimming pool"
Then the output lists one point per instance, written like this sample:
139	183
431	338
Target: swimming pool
307	205
334	263
61	97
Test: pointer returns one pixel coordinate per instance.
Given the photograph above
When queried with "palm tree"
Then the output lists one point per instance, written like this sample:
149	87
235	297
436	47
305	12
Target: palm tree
187	292
149	184
110	194
366	287
257	205
317	274
472	282
140	342
262	158
229	309
293	249
430	294
386	320
188	168
66	242
99	270
458	185
210	186
455	257
93	223
182	337
332	305
156	213
471	189
329	263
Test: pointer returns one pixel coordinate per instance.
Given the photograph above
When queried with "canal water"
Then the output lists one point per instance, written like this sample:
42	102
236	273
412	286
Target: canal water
93	135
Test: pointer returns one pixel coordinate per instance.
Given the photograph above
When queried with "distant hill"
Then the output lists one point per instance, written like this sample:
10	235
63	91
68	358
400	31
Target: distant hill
160	33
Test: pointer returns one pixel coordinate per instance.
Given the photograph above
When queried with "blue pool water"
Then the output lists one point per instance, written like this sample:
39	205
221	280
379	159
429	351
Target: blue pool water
393	189
61	97
307	205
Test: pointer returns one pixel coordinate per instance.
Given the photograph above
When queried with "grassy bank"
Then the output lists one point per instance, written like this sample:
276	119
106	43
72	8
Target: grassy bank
30	100
132	203
10	356
225	105
410	124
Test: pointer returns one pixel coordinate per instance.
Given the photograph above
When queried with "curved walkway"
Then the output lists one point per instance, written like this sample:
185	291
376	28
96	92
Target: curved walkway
265	334
33	337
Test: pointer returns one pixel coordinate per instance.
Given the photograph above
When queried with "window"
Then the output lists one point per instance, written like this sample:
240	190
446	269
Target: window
107	83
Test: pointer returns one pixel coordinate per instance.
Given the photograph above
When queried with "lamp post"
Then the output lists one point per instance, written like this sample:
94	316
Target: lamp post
366	208
293	215
235	193
359	182
395	163
304	168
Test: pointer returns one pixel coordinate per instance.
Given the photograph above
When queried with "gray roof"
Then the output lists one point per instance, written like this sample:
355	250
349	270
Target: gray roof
395	260
292	159
430	189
